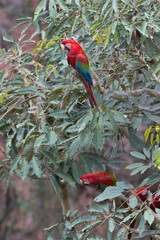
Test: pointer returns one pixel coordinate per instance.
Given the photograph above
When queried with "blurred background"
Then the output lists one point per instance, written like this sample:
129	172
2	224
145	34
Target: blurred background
27	207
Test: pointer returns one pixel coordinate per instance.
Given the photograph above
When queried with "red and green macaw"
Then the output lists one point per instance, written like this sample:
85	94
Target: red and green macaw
155	202
99	179
143	193
79	61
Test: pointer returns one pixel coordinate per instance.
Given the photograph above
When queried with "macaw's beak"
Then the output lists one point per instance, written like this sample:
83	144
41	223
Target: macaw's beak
84	181
63	47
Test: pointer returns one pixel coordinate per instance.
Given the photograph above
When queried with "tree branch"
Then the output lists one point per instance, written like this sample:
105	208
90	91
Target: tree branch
64	197
120	95
135	93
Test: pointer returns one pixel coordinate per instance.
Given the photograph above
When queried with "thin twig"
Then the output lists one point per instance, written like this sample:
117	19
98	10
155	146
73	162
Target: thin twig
12	107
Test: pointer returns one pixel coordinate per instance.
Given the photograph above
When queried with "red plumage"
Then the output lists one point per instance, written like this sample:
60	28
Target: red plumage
143	193
99	179
155	202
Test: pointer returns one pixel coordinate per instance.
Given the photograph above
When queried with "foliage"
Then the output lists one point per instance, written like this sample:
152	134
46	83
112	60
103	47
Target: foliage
49	127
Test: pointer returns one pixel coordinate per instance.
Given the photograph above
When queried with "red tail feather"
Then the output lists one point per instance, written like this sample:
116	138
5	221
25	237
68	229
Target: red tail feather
90	95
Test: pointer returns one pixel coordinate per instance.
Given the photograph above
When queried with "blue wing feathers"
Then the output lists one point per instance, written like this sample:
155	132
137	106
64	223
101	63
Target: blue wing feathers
85	71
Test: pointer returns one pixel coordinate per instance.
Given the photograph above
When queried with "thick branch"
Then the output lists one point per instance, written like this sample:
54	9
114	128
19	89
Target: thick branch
135	93
64	197
121	95
97	82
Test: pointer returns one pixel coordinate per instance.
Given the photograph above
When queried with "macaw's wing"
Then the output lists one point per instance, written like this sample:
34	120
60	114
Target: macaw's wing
107	180
82	66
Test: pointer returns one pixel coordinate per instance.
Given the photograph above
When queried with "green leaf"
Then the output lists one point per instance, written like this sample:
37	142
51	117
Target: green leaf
153	117
49	156
55	184
67	178
25	169
142	225
21	23
3	96
124	185
76	173
8	39
24	90
148	216
133	202
53	3
91	159
2	164
36	167
119	117
105	6
149	47
115	5
74	147
130	216
111	224
59	114
157	211
108	193
143	28
107	35
121	230
98	139
39	141
50	228
141	169
134	165
91	225
85	139
77	2
41	6
4	74
52	11
113	122
25	29
94	208
138	155
82	122
52	138
84	219
62	4
136	142
7	183
85	20
14	164
2	175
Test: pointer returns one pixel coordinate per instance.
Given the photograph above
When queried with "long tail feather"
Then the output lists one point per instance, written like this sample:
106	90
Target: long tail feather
89	94
92	97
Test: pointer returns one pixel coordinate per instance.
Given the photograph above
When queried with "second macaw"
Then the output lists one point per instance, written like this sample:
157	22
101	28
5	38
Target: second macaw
99	179
143	193
155	202
79	61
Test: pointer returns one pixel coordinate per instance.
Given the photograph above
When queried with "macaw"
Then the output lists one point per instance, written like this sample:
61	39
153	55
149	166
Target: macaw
155	202
99	179
79	61
143	193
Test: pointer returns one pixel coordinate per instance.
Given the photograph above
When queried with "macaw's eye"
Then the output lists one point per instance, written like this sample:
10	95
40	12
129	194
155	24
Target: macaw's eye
67	48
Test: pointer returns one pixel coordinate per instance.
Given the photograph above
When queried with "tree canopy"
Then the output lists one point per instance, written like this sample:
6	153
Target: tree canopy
51	131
